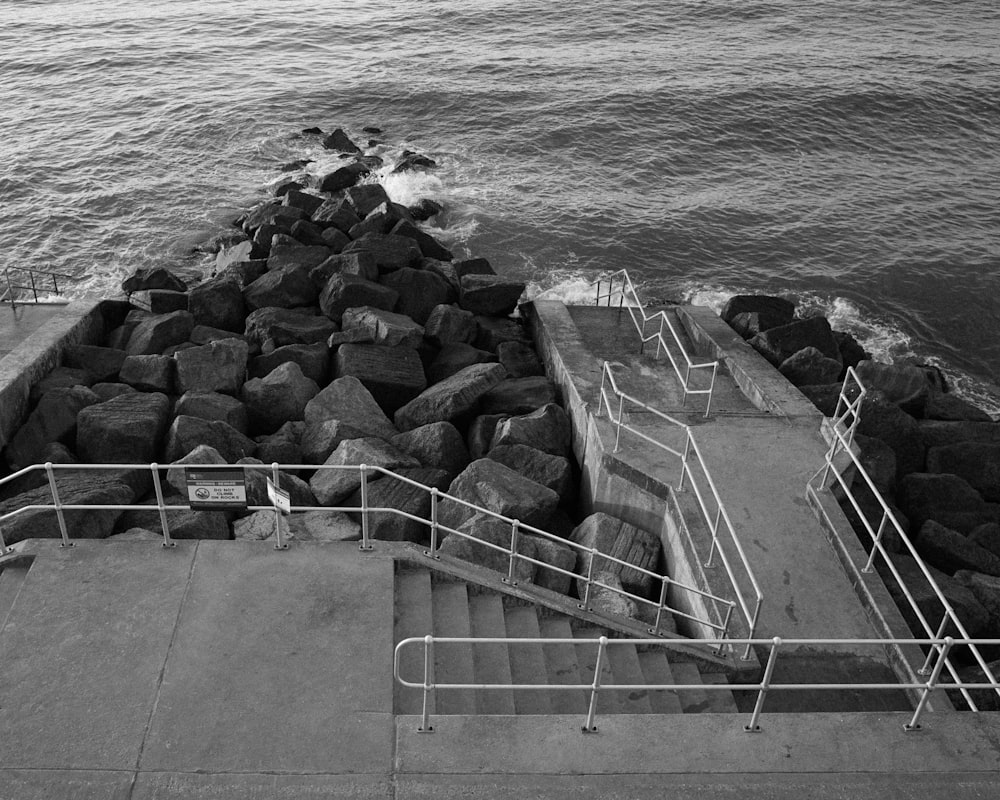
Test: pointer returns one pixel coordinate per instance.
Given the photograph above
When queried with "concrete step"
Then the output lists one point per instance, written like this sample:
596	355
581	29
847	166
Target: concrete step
656	670
607	702
491	661
561	665
719	702
702	702
453	662
527	661
625	667
412	618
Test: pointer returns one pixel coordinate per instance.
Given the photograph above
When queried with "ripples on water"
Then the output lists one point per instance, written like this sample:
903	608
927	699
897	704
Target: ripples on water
845	153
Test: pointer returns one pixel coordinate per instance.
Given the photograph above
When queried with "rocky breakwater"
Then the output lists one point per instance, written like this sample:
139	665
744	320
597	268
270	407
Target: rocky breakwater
933	456
339	331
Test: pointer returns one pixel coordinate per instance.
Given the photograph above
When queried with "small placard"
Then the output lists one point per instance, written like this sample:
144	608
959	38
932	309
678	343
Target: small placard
281	499
216	488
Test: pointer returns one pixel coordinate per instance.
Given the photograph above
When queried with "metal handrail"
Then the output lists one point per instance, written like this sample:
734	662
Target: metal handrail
641	320
719	518
843	439
9	293
512	552
942	645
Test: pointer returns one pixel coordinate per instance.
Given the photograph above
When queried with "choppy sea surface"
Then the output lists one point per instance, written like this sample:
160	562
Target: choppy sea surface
843	153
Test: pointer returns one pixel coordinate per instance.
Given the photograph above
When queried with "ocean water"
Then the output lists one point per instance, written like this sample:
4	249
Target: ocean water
842	153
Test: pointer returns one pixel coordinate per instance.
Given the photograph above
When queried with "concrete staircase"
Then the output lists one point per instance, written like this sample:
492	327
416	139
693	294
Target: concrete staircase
434	603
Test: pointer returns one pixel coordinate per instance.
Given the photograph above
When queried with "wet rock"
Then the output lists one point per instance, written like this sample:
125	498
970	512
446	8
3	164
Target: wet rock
332	486
771	312
216	367
389	492
878	461
885	420
429	246
367	197
384	327
551	471
425	209
951	407
280	396
281	289
494	331
946	499
299	199
987	536
489	295
275	214
451	398
361	265
218	303
453	358
340	142
447	324
976	462
438	444
810	367
152	278
777	344
125	429
344	291
419	292
154	334
293	256
348	401
313	360
950	551
518	396
53	420
902	384
281	326
473	266
153	373
487	530
101	363
186	433
940	433
411	161
851	352
519	359
620	540
546	428
231	256
380	220
390	252
338	213
344	177
490	485
311	235
393	375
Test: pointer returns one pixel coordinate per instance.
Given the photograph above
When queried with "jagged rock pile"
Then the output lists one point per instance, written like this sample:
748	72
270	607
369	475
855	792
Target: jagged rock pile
339	333
933	456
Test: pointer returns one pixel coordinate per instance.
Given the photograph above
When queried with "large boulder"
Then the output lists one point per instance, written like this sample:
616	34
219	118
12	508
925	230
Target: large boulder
947	499
289	255
548	470
152	278
494	487
218	303
777	344
274	214
429	246
950	551
281	289
546	429
454	357
347	400
482	429
202	454
53	420
404	497
214	406
336	213
256	482
186	433
809	367
280	396
343	177
903	384
217	367
771	312
102	363
152	373
620	540
882	419
367	197
393	375
491	332
283	326
976	462
451	398
987	535
448	324
490	295
361	265
558	555
969	610
59	378
420	292
126	429
332	486
313	360
383	327
878	461
390	252
156	333
438	444
183	522
282	447
519	396
986	589
481	531
344	291
520	360
939	433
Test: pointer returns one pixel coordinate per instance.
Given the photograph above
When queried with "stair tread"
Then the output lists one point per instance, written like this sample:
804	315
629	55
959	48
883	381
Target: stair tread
703	702
527	661
412	618
491	661
562	667
656	670
719	702
625	668
607	702
452	662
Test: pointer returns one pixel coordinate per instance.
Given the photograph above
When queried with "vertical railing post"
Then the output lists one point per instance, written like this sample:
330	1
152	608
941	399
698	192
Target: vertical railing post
715	538
514	536
725	624
655	630
34	289
161	506
711	390
621	412
914	723
279	537
425	715
765	684
926	668
684	461
58	504
876	543
589	726
365	542
585	604
434	523
3	543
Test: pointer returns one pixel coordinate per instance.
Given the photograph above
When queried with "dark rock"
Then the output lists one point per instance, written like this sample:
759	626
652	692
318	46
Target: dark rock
411	161
390	252
356	336
902	384
256	482
184	523
986	589
952	407
481	432
59	378
232	256
281	289
186	433
149	373
273	213
443	268
879	461
202	454
947	499
976	462
245	273
558	555
289	186
451	398
296	258
53	420
772	312
429	246
548	470
494	331
313	360
335	239
307	202
339	214
520	359
393	375
125	429
101	363
280	396
419	292
105	391
154	334
282	326
969	610
491	486
218	303
340	142
216	367
360	264
872	510
453	358
518	396
203	334
546	429
332	486
987	536
472	266
490	295
749	324
483	530
344	177
389	492
282	447
309	234
425	209
950	551
851	352
344	291
809	367
777	344
824	396
885	420
384	327
214	406
438	445
161	301
348	401
941	433
620	540
380	220
367	197
448	324
152	278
